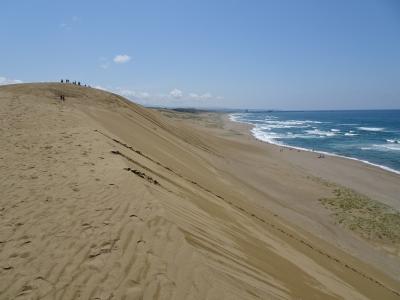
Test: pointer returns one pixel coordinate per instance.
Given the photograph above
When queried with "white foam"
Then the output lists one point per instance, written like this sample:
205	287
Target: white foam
388	147
234	117
320	132
335	130
270	123
394	147
371	128
272	141
280	126
393	141
350	134
383	147
315	122
260	132
260	135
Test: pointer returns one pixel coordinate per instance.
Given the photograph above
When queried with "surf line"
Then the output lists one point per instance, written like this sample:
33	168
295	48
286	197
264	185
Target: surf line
290	235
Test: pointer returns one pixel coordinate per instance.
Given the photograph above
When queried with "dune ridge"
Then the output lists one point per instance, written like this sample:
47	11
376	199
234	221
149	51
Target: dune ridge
104	199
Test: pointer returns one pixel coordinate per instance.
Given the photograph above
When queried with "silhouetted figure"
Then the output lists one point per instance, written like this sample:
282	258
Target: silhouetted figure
67	80
62	81
79	83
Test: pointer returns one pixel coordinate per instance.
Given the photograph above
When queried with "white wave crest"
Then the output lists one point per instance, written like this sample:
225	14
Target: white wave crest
235	117
371	128
393	141
383	147
320	132
350	134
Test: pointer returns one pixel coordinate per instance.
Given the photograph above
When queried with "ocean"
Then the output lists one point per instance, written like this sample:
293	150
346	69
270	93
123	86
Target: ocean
371	136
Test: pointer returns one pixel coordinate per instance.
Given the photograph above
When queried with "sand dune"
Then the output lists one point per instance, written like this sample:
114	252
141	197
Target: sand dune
104	199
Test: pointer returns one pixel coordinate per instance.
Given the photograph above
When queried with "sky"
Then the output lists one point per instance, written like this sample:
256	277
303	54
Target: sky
300	54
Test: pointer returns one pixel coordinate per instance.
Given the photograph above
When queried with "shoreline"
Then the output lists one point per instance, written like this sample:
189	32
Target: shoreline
251	132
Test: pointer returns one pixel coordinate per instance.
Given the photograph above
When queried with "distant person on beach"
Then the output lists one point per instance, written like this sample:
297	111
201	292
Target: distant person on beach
62	81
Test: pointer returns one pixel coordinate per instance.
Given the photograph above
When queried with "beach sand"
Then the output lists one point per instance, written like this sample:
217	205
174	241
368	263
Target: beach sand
101	198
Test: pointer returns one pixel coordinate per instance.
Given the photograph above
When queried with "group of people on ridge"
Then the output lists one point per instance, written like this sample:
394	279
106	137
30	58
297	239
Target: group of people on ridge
62	97
73	82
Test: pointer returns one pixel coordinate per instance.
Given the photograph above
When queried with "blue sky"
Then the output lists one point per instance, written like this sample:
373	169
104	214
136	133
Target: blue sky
340	54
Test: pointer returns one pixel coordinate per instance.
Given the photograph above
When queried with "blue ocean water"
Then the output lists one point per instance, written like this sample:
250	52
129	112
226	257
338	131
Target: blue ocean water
372	136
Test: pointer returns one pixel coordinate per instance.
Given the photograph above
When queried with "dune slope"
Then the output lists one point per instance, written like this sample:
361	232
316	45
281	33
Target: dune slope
101	198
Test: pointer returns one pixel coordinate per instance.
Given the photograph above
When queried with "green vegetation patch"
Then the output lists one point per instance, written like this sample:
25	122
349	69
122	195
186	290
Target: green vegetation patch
369	218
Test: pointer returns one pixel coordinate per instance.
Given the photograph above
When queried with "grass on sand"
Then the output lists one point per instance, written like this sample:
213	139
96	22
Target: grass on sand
369	218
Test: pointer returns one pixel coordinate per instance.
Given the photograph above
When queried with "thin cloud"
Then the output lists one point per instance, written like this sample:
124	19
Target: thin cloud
127	93
175	93
174	98
5	80
144	95
205	96
101	88
137	96
178	97
104	63
121	59
68	25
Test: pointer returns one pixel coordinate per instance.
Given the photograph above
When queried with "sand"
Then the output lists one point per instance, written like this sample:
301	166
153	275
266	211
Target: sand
101	198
